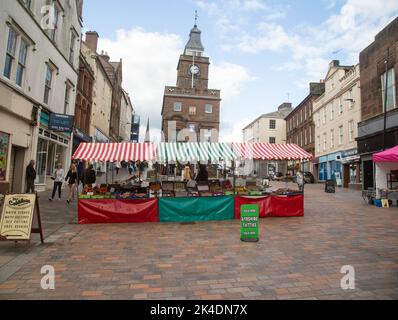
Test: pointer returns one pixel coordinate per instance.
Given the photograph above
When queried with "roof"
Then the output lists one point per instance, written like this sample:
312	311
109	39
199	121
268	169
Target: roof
268	151
112	152
195	151
282	113
195	42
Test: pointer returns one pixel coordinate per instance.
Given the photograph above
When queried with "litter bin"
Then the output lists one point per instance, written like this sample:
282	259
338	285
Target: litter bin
330	186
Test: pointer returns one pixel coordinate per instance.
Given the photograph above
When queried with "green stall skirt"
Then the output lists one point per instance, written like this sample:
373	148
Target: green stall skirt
196	209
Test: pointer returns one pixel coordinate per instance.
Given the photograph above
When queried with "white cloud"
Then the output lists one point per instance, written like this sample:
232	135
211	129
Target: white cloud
232	132
311	47
230	78
149	63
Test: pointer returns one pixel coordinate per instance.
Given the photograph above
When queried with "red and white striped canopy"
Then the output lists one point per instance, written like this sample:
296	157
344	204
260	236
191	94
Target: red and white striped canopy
112	152
268	151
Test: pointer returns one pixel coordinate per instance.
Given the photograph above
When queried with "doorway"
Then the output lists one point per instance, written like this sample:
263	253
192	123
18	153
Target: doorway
368	176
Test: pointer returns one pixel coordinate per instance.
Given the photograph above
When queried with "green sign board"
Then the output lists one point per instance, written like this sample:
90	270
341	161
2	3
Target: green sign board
249	223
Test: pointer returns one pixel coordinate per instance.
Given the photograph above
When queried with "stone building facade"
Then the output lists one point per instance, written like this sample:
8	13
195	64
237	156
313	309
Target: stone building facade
84	103
39	63
268	128
191	111
300	127
378	130
337	113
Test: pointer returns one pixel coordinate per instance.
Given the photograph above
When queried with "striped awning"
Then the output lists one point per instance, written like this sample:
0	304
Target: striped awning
195	151
112	152
268	151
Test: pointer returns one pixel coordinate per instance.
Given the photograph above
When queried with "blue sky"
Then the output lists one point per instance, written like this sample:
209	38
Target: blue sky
262	51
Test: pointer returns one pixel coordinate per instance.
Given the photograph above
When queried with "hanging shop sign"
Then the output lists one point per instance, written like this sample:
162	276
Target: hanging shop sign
61	122
17	217
249	223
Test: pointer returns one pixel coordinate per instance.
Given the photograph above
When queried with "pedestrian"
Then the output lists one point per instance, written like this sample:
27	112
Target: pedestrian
203	174
90	177
58	177
80	172
71	178
30	177
118	167
300	180
131	169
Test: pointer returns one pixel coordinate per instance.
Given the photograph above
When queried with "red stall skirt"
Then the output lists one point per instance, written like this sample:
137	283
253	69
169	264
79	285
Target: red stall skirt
273	206
118	211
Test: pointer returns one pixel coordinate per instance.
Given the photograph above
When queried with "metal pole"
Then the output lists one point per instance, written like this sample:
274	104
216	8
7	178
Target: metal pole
385	100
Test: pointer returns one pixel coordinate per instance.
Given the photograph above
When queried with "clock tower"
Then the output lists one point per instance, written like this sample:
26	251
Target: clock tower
191	111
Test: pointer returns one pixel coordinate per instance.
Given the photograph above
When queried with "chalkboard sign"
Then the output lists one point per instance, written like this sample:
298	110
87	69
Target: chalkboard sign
330	186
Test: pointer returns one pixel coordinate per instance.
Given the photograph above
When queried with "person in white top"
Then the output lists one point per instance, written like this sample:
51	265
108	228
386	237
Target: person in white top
300	180
58	177
118	166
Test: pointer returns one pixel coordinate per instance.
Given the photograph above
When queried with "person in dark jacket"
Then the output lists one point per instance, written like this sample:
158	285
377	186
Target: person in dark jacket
203	175
90	177
30	177
71	178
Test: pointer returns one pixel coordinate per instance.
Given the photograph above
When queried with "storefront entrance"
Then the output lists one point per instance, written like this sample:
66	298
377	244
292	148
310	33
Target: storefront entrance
368	175
51	150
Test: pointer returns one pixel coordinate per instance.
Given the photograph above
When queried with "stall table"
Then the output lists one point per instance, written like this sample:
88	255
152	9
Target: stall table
196	209
94	211
273	206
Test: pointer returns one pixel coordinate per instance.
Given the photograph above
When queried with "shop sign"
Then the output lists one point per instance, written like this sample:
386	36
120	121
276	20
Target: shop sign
4	145
82	136
249	223
61	122
350	153
17	217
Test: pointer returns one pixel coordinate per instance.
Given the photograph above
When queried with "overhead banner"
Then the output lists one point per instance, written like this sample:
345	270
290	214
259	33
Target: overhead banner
17	216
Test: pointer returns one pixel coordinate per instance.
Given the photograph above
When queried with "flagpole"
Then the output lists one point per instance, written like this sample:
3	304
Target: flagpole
193	67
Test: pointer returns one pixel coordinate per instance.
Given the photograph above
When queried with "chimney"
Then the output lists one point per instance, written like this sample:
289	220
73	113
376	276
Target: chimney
92	40
334	63
317	88
105	56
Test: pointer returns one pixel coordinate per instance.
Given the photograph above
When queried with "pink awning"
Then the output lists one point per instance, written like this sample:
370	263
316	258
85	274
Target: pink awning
390	155
268	151
112	152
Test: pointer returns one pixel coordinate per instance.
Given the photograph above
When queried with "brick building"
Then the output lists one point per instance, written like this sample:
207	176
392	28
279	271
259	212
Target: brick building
300	126
374	134
84	103
191	111
115	72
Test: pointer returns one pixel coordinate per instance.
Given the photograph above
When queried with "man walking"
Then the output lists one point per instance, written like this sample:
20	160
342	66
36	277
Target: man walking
30	177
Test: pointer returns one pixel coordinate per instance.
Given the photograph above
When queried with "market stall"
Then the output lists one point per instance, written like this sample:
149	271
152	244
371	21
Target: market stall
194	194
386	164
274	203
122	202
189	200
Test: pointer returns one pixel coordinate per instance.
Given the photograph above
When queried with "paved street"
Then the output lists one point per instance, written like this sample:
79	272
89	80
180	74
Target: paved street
296	258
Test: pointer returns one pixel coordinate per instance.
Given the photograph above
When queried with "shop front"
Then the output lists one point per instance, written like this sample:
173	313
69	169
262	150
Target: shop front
53	148
352	171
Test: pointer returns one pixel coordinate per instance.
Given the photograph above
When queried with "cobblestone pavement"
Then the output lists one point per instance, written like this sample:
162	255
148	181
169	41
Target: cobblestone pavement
296	258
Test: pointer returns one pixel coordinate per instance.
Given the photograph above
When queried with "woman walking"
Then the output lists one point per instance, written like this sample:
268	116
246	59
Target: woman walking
58	177
71	178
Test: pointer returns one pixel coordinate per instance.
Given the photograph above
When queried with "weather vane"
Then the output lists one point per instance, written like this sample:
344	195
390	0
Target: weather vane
196	17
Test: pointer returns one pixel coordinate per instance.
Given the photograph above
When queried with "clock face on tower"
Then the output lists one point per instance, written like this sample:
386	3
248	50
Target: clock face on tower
194	69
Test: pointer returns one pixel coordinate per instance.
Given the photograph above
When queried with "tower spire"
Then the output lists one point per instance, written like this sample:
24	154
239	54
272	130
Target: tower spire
196	18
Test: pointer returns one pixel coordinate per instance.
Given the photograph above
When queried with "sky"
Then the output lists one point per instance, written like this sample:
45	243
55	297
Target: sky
262	52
